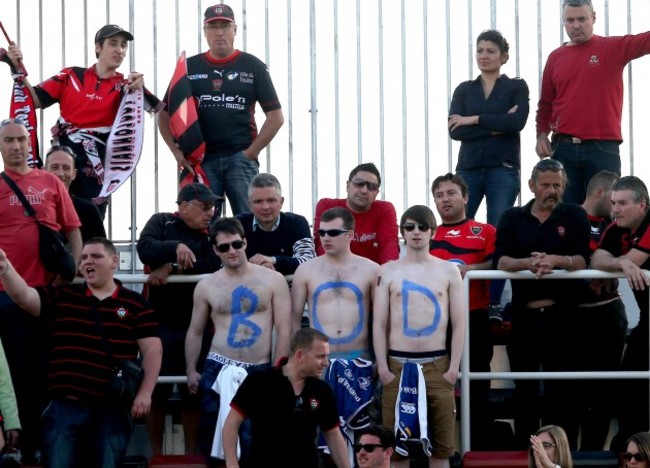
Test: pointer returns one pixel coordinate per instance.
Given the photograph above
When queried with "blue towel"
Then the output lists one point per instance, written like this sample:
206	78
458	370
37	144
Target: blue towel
411	410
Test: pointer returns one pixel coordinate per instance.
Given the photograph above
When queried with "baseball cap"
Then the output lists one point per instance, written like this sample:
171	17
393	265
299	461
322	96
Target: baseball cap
111	30
196	191
219	12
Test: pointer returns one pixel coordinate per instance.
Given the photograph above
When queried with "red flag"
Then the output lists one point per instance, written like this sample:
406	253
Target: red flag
184	122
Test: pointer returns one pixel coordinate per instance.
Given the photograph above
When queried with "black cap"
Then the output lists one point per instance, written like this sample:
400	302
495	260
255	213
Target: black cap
196	191
219	12
111	30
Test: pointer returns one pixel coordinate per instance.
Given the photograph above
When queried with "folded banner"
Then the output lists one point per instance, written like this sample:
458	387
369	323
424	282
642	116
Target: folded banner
124	143
184	122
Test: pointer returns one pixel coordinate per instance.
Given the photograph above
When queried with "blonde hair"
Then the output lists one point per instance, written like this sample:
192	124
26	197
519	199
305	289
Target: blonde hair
562	450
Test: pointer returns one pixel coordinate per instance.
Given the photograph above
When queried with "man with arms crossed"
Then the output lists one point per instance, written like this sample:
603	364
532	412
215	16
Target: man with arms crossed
581	99
244	302
625	246
415	299
285	405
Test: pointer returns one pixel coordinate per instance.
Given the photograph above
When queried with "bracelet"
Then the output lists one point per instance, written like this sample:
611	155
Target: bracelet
570	261
5	270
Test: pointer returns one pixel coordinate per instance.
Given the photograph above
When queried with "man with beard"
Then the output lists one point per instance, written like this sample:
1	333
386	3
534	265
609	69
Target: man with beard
541	236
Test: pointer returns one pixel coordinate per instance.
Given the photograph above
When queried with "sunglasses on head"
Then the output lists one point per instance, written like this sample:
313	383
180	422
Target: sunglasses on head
410	227
367	447
627	456
223	248
12	121
332	232
360	183
65	149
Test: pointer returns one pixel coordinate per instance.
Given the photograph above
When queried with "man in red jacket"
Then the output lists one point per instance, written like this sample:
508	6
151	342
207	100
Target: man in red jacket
375	221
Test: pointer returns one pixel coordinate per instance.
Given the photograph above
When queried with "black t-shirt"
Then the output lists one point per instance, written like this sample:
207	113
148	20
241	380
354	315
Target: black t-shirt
283	424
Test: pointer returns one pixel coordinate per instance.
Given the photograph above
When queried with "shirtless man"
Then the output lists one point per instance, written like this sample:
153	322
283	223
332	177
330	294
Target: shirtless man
244	302
338	287
415	299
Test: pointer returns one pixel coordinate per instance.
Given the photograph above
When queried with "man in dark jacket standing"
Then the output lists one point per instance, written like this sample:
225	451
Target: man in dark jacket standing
177	243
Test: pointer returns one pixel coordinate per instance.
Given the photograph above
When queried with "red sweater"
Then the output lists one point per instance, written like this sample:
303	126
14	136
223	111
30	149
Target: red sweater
375	231
582	86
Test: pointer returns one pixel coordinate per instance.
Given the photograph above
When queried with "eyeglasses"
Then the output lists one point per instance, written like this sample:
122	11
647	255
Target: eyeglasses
12	121
360	183
202	206
219	26
65	149
298	407
548	163
627	456
223	248
410	227
367	447
332	232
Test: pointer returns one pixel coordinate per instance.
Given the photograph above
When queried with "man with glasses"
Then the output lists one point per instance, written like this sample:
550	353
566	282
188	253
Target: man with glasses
226	84
542	236
375	447
170	244
60	161
581	99
19	238
285	405
244	303
274	239
625	246
338	288
375	235
469	245
416	298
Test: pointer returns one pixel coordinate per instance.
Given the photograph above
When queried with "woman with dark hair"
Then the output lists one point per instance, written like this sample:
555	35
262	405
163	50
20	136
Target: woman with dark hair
637	453
549	448
486	116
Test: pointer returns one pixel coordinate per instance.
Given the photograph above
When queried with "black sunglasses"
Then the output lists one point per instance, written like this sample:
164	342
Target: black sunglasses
12	121
332	232
410	227
627	456
367	447
65	149
298	407
223	248
360	183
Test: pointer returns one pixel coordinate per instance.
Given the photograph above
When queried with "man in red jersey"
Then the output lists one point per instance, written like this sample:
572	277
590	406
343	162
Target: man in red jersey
226	84
375	221
581	99
470	245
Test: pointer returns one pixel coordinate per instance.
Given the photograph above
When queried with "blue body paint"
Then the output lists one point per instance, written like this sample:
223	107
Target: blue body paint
354	334
240	317
407	288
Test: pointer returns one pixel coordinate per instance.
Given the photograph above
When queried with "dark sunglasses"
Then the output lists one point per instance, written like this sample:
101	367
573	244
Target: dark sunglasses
367	447
298	407
360	183
65	149
332	232
410	227
223	248
627	456
12	121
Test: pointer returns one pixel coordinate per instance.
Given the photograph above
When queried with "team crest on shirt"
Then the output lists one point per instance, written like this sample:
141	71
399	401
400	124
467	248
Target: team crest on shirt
121	312
476	230
313	404
561	231
593	60
216	84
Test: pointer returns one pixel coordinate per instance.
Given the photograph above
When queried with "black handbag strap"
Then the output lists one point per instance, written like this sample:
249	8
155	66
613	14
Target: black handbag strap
21	196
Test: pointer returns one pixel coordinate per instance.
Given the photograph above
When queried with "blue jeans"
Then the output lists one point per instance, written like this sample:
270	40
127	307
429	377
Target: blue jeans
76	434
582	161
230	176
499	185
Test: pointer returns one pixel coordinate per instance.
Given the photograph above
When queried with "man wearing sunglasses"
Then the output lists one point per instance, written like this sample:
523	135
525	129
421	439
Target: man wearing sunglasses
469	245
19	238
375	235
60	161
171	244
416	298
542	236
244	302
375	447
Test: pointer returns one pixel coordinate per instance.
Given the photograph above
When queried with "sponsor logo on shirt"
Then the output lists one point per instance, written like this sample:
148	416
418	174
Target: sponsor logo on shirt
198	76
